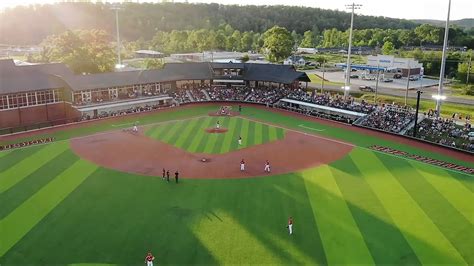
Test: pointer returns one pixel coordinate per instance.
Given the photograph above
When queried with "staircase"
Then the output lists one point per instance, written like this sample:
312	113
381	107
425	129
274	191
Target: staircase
206	94
190	96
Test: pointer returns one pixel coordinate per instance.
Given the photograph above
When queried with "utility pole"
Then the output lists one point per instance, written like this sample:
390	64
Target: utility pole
415	129
468	68
322	80
347	84
116	8
408	83
377	81
443	62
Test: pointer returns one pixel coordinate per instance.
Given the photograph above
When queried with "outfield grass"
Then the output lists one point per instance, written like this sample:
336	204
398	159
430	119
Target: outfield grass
367	208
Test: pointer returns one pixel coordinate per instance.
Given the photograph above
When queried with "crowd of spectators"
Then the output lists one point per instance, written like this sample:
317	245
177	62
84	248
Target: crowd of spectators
389	118
221	93
131	110
268	95
446	132
335	101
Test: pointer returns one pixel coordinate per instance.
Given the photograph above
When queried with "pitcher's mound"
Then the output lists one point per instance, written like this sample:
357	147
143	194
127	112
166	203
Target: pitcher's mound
216	130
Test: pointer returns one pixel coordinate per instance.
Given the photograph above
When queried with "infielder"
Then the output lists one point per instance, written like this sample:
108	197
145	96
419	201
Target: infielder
267	167
135	128
240	140
218	125
242	165
149	259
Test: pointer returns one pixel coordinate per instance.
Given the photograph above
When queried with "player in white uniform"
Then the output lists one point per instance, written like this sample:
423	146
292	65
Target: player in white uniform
135	129
218	125
240	140
267	167
242	165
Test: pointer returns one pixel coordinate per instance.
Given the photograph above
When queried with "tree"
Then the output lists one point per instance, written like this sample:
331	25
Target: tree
308	40
278	43
388	48
152	63
83	51
245	58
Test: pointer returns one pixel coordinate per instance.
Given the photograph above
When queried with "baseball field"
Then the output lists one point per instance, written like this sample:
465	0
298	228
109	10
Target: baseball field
95	195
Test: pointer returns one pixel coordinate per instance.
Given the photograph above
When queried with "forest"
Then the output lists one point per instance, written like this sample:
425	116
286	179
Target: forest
31	24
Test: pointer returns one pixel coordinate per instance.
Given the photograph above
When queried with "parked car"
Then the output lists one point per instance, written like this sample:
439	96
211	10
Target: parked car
397	76
354	76
387	80
413	78
366	88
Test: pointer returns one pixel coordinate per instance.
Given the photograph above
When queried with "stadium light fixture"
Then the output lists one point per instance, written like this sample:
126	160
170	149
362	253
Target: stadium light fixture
439	97
346	88
119	66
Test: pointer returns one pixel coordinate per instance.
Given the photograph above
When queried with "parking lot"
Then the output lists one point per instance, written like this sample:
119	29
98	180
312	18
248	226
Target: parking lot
395	84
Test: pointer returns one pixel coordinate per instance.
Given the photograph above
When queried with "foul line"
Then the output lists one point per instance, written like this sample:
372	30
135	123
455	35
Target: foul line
352	145
311	128
103	133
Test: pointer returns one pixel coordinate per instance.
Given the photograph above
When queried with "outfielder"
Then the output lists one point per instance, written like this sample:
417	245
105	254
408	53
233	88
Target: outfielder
290	225
218	125
149	259
240	140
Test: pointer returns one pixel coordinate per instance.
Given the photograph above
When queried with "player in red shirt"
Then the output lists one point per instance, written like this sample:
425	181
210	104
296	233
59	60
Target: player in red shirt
149	259
290	225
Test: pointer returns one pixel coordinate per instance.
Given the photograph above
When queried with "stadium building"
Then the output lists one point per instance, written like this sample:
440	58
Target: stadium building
49	94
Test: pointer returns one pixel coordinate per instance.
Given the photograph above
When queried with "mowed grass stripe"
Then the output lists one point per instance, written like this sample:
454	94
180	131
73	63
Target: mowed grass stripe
13	197
186	132
230	135
272	133
244	132
28	165
220	137
280	133
251	134
199	135
429	244
212	138
4	153
192	135
265	134
342	240
13	157
371	217
454	226
452	190
181	127
206	136
19	222
171	132
162	130
258	133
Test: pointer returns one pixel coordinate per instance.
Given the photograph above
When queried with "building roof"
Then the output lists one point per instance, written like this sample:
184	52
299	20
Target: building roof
30	78
50	76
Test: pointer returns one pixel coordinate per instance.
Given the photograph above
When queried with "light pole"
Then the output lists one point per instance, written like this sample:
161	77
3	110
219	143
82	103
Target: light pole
408	82
469	68
353	7
116	8
377	81
443	61
415	129
438	98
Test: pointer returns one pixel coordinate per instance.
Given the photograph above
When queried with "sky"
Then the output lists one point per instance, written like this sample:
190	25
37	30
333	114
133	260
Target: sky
407	9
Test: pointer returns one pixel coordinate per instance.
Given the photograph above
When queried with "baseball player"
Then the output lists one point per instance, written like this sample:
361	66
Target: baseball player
290	225
135	128
218	125
240	140
267	167
149	259
242	165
